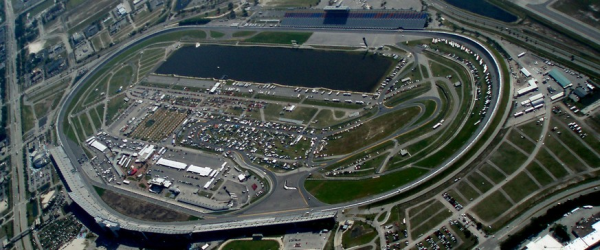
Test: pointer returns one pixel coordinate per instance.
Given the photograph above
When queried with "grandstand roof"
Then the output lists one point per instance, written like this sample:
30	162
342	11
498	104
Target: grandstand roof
353	19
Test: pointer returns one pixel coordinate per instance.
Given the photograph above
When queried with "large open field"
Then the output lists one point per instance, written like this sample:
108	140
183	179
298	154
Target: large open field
337	191
372	131
140	209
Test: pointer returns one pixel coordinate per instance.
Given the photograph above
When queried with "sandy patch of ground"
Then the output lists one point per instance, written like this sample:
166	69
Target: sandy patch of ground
76	244
36	47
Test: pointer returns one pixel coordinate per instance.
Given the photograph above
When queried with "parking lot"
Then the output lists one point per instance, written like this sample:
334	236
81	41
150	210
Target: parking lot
306	240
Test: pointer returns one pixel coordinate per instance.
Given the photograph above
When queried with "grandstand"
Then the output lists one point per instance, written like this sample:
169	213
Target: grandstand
343	17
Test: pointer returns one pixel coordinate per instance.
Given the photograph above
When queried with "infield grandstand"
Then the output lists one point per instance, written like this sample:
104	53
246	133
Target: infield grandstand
343	17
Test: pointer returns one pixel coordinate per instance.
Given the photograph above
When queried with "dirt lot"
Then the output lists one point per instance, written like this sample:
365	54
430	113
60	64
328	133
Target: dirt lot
141	210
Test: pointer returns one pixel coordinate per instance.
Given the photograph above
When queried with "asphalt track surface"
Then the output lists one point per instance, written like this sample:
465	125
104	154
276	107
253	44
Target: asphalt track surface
73	150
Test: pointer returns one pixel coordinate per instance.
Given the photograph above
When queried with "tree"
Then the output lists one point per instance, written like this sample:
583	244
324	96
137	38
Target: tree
218	10
561	233
244	12
230	6
232	14
255	2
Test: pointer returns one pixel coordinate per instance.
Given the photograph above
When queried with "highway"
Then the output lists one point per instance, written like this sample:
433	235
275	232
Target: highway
461	16
72	149
19	191
565	21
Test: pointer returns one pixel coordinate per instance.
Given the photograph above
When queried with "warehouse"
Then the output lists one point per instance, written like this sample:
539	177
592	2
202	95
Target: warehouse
560	78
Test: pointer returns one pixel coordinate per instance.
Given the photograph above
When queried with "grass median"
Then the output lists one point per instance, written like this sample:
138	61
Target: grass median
371	131
337	191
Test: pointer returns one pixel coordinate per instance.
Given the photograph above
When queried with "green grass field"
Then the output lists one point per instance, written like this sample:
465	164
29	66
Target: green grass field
337	191
251	244
27	118
121	79
86	125
100	110
479	182
409	95
40	7
332	104
430	108
564	155
569	138
372	131
492	173
272	112
539	173
508	164
557	169
519	187
94	92
216	34
301	113
277	98
532	130
74	3
467	191
359	234
325	119
430	223
115	106
96	120
243	33
420	214
492	206
522	143
279	37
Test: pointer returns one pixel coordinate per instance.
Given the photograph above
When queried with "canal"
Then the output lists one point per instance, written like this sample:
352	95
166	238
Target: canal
351	71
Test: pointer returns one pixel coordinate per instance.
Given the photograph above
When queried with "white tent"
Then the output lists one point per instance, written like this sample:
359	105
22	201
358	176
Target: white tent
202	171
171	164
97	145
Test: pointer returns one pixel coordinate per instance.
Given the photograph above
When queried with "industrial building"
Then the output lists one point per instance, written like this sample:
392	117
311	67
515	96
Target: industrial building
344	17
560	78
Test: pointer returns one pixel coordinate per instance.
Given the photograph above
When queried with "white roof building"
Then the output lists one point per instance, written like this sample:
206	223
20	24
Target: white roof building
525	72
171	164
202	171
546	242
97	145
146	152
